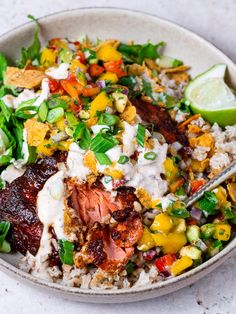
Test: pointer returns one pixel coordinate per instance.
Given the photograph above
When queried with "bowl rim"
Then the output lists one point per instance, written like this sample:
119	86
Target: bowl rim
211	263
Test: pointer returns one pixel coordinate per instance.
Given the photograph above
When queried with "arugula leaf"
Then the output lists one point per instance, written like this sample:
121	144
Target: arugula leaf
4	245
7	112
33	51
138	53
66	249
3	65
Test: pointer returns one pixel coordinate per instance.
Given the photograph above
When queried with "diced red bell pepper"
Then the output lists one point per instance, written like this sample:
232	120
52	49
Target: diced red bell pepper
90	91
77	44
95	70
76	105
81	57
115	67
196	185
163	263
72	87
191	221
53	85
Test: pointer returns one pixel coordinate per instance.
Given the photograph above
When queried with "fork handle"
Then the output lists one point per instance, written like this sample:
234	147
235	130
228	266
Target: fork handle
213	183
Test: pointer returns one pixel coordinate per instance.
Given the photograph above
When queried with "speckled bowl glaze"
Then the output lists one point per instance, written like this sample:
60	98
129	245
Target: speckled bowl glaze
124	25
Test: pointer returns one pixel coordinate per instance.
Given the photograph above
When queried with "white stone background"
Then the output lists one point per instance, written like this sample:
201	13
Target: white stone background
216	21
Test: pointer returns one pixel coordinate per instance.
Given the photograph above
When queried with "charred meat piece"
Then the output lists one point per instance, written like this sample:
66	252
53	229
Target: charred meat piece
94	204
102	251
161	120
18	205
128	232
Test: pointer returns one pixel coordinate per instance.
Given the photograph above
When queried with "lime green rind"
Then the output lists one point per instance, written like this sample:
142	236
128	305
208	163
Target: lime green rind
223	117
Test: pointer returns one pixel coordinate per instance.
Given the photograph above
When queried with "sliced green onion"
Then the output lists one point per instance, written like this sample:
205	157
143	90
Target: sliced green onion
79	131
108	119
90	55
123	159
102	142
150	156
71	119
5	247
55	115
43	111
66	249
65	55
107	179
57	102
141	134
85	140
26	109
193	233
103	159
208	230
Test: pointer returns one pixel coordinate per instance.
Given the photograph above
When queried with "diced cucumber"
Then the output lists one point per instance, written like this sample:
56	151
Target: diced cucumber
215	247
168	62
193	233
191	251
207	231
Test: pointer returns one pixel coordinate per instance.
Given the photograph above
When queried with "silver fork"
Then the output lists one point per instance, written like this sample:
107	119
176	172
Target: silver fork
213	183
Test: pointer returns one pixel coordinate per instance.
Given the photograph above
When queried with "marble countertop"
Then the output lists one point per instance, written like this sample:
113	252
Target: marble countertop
214	20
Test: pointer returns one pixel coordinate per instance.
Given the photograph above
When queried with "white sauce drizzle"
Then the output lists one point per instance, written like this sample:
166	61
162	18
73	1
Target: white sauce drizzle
60	72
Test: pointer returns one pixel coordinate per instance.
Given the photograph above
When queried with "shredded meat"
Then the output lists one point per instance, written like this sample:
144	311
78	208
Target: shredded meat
128	232
102	251
94	204
161	120
18	205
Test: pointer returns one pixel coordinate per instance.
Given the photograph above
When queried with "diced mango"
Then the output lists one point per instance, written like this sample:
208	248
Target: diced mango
179	225
100	102
199	166
129	114
60	124
108	53
180	265
76	64
114	173
144	197
109	76
146	242
170	243
221	195
222	232
64	145
46	148
36	131
162	223
171	170
90	161
48	57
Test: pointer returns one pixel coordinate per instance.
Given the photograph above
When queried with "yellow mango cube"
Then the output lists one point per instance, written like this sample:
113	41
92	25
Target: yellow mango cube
108	53
46	148
171	170
180	265
76	64
146	242
222	232
48	57
170	243
109	76
162	223
100	102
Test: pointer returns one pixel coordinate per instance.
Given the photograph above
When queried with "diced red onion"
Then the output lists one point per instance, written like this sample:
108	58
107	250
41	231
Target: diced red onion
125	91
196	213
149	255
101	84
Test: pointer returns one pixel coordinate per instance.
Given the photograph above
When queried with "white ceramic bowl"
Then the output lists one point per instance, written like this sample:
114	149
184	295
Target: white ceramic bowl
124	25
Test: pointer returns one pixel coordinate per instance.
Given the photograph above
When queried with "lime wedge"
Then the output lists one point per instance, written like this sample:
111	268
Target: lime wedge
209	95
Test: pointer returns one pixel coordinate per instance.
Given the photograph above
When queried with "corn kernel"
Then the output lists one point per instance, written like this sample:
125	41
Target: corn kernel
180	265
